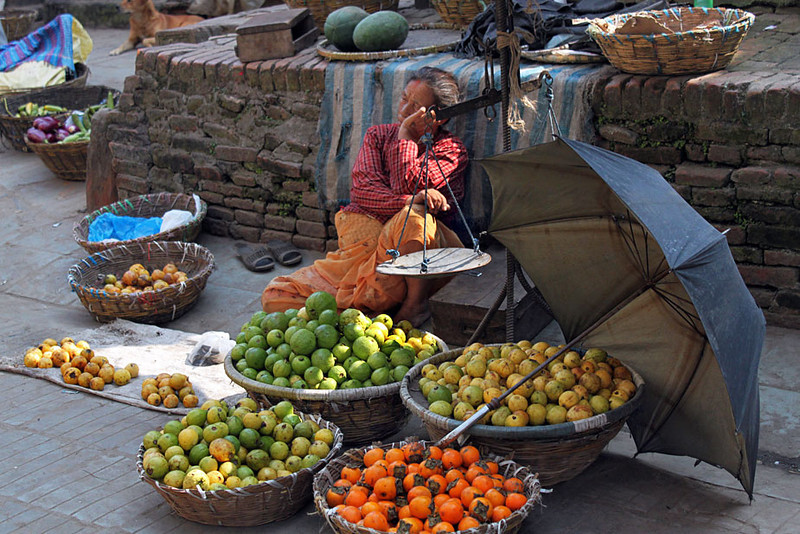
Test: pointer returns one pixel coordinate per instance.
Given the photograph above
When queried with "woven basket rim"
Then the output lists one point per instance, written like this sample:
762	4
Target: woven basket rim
74	274
575	429
83	238
748	18
55	147
279	484
327	395
354	456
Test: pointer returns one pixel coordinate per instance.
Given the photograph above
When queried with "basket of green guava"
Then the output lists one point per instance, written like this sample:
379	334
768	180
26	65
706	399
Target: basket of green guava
345	366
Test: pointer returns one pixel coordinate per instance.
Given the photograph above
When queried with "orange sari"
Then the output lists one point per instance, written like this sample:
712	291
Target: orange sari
349	273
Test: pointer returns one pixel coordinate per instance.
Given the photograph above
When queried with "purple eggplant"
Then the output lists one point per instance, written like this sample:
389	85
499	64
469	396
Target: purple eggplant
46	124
36	136
51	137
62	134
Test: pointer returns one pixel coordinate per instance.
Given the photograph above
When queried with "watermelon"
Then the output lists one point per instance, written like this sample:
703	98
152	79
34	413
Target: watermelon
339	26
384	30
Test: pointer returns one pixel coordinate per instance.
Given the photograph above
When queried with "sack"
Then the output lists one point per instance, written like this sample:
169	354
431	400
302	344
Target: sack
211	349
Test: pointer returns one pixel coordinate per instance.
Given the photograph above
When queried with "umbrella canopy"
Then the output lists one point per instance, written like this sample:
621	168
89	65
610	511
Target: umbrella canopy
627	265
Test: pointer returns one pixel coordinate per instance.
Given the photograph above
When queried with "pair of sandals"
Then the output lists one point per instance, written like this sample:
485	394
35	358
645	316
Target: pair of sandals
261	258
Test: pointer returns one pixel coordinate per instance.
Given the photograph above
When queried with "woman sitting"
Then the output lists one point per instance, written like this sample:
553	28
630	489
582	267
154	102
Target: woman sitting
386	174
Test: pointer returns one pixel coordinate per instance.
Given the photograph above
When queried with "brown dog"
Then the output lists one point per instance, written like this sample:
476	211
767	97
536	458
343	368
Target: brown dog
146	21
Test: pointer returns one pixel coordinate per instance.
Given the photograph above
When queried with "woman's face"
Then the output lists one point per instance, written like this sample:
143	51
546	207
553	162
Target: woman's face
417	94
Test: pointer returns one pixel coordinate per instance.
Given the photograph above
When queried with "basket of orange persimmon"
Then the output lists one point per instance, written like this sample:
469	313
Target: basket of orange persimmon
414	486
556	423
147	282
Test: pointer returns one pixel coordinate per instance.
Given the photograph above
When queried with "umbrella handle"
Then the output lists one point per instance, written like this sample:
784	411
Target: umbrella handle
463	427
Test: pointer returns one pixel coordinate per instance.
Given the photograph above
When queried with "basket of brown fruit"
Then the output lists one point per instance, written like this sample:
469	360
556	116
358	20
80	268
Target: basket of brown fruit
146	282
556	423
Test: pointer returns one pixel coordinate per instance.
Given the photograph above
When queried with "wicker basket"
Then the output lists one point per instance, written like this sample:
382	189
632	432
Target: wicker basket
81	75
14	128
355	458
273	500
17	22
364	414
556	452
65	160
155	205
151	307
678	50
320	9
458	12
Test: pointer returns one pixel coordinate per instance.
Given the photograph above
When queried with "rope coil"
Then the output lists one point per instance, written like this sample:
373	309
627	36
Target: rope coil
517	96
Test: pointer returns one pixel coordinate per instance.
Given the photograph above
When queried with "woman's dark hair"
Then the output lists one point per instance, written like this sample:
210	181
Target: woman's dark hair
443	84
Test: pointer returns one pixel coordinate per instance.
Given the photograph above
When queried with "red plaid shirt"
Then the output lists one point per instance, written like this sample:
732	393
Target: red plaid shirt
388	169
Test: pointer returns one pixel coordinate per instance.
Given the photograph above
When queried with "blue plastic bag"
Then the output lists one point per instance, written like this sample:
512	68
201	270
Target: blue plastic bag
108	226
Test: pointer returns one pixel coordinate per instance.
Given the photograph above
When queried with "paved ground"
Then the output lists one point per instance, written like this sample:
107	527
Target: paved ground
69	457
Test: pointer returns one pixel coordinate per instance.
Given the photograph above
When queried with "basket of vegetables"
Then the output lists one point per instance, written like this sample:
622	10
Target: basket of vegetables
62	145
556	423
18	112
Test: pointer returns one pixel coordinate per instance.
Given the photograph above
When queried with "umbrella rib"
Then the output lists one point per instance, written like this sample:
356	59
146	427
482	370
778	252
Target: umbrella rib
682	312
630	242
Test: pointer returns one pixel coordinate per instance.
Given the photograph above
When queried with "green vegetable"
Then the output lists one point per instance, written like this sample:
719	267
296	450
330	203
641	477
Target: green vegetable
77	136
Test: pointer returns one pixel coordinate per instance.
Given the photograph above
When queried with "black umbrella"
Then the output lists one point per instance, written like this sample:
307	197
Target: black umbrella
626	264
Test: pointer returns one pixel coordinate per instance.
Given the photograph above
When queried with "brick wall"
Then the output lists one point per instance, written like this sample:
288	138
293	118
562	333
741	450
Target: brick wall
244	138
729	142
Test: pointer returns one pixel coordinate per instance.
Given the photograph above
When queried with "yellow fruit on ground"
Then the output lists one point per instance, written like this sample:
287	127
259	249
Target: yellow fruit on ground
45	363
132	369
121	377
154	399
71	375
32	358
190	401
177	381
148	389
171	401
84	379
106	373
97	383
92	368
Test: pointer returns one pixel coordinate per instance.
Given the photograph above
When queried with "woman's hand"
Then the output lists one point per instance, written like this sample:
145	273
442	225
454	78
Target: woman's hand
437	202
416	124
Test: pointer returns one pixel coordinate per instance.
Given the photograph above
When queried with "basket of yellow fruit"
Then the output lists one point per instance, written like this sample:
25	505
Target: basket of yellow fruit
148	282
238	466
557	423
345	367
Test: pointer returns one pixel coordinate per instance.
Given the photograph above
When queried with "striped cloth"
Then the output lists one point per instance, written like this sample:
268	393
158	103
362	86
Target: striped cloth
358	95
52	43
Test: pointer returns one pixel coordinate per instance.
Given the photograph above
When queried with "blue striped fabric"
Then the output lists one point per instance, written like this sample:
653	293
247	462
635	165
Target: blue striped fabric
359	95
52	43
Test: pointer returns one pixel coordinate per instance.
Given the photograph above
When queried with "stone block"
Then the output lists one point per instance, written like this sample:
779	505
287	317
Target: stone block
269	235
249	218
752	175
660	155
221	213
618	134
787	177
243	232
209	172
244	178
296	186
612	95
735	235
747	255
632	96
306	111
309	243
311	229
703	196
788	298
311	199
247	204
134	184
652	92
701	175
777	277
695	152
281	168
175	160
132	168
770	153
236	153
278	222
774	215
776	195
785	257
768	236
191	143
311	214
729	155
211	198
230	103
183	123
215	226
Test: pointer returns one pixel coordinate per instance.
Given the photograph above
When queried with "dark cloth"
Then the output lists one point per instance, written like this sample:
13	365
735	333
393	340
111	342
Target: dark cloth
538	23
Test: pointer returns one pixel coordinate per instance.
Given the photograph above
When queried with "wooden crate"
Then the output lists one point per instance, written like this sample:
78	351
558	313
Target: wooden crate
458	308
275	35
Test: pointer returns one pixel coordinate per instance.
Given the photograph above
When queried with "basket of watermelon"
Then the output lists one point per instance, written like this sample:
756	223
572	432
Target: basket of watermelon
344	366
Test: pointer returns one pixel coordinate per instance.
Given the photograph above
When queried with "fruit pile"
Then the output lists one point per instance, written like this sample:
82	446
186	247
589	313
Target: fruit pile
317	348
419	489
214	449
570	388
138	278
169	390
78	363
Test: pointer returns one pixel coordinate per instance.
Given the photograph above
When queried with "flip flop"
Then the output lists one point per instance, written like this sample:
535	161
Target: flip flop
286	253
257	259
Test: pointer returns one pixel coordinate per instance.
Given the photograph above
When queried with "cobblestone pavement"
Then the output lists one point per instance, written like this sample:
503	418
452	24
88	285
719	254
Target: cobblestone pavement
69	458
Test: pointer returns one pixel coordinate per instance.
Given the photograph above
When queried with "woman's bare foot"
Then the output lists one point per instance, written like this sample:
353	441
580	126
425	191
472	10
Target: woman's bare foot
415	313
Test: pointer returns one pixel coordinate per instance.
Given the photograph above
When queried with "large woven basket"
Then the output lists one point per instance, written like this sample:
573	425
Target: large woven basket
355	458
696	40
154	205
17	22
364	414
458	12
73	98
556	452
272	500
320	9
81	75
65	160
150	307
